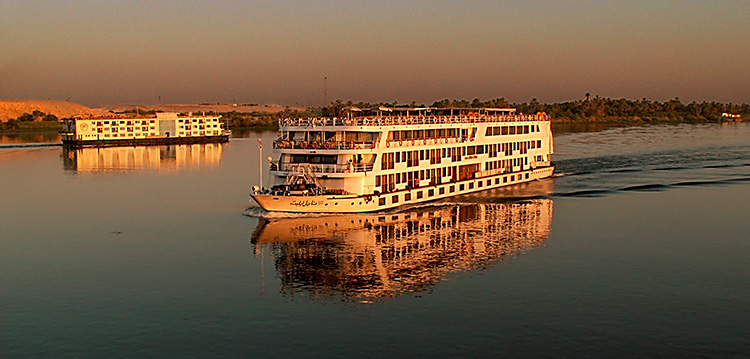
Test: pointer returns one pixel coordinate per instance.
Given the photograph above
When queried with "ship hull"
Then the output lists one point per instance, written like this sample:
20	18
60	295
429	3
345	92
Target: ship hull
385	201
146	141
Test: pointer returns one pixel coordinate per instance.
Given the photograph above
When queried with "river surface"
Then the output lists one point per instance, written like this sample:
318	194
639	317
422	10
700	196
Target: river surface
638	247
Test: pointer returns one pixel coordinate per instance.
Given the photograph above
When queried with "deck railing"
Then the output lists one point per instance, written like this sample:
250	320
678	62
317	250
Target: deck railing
328	145
407	120
324	168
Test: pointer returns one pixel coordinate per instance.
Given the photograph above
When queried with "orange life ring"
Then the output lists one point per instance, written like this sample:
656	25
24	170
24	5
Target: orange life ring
412	142
400	142
303	145
328	145
315	145
388	144
416	182
373	144
351	145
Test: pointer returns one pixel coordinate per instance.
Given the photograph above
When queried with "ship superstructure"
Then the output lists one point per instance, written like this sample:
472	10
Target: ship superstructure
376	159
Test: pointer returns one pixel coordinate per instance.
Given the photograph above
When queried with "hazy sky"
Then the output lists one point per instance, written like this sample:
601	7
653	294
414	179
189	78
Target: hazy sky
114	52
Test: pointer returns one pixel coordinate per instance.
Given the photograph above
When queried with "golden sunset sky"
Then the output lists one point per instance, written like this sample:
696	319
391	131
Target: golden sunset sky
113	52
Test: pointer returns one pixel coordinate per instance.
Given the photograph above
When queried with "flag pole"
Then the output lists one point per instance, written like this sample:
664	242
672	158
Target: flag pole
260	163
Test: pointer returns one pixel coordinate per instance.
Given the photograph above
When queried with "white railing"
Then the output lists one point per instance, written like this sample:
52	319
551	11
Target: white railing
324	168
328	145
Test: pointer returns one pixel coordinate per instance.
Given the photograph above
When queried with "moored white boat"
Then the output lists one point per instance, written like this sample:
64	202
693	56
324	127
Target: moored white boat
377	159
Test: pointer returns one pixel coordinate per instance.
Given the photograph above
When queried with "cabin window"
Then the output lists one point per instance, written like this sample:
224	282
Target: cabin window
431	193
322	159
386	161
419	195
394	199
407	197
452	189
461	187
441	190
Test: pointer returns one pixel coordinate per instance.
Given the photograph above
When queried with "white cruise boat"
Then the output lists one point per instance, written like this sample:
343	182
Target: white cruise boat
377	159
135	130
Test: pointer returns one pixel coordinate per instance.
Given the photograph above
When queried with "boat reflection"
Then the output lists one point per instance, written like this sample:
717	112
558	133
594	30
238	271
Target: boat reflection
376	256
160	158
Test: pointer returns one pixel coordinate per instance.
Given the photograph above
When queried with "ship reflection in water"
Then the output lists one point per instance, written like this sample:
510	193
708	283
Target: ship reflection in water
371	256
159	158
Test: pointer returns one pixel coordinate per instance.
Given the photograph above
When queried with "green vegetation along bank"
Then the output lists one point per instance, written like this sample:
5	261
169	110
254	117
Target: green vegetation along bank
588	110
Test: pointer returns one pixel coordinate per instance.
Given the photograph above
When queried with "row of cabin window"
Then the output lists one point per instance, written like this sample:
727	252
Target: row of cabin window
435	156
201	127
511	130
448	171
195	133
124	122
106	135
123	129
451	189
145	122
433	133
194	120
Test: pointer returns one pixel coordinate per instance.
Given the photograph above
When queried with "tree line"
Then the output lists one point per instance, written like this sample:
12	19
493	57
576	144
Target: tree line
19	122
595	109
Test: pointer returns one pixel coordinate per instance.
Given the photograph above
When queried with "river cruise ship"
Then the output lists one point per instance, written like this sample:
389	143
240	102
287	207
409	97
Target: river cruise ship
377	159
130	130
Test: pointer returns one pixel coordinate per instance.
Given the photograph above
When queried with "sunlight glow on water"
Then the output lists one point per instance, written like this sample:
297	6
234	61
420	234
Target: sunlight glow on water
156	253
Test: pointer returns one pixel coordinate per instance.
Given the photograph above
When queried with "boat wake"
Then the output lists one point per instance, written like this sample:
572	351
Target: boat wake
652	172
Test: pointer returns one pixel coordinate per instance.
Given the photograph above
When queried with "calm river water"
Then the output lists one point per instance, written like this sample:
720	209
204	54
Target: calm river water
637	248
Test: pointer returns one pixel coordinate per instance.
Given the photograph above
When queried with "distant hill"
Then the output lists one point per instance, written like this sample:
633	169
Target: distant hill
10	109
205	107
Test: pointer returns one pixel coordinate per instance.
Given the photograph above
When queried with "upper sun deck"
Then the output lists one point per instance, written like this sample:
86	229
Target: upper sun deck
383	116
